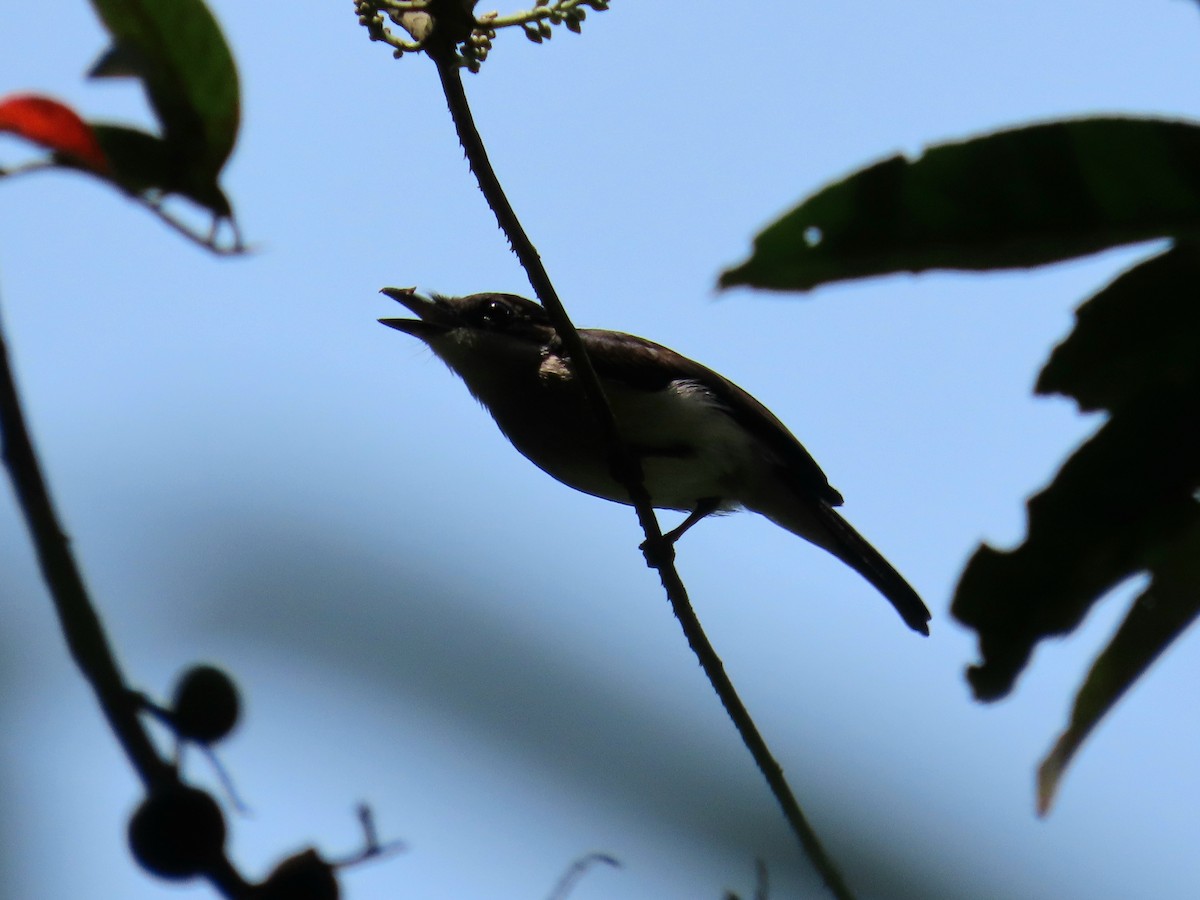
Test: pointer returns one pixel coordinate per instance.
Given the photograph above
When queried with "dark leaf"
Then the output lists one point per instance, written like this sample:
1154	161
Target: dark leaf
1140	333
1015	198
54	126
146	165
118	61
1117	502
1157	617
176	48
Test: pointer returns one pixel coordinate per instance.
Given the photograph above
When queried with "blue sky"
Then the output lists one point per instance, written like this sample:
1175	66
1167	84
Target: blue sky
254	472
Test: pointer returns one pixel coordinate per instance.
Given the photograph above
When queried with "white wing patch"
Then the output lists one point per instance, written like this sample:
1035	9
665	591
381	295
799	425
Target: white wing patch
704	451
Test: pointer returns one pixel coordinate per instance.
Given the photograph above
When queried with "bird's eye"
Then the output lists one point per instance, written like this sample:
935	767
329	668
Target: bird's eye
495	314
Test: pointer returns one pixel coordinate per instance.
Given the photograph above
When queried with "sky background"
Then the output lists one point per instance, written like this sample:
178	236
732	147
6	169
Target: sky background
255	473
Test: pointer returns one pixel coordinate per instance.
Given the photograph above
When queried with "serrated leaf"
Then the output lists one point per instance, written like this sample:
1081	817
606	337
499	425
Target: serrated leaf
1016	198
1157	618
1139	333
1119	499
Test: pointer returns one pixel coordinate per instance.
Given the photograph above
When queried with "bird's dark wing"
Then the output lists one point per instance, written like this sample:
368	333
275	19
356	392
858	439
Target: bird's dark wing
648	366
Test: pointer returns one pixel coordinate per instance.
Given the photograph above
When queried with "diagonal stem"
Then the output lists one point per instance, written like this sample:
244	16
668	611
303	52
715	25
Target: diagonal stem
80	624
626	466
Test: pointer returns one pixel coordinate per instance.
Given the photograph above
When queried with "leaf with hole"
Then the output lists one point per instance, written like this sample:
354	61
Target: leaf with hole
1017	198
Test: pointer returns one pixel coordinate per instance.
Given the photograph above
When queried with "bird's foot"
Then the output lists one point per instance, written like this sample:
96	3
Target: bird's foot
658	553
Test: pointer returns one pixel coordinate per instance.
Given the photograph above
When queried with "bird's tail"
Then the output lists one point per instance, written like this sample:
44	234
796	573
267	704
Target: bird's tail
821	524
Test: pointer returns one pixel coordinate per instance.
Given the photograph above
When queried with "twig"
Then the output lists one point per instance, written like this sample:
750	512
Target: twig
576	871
550	11
626	467
208	242
152	204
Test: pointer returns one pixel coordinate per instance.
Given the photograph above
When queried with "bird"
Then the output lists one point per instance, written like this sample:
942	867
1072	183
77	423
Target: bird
705	445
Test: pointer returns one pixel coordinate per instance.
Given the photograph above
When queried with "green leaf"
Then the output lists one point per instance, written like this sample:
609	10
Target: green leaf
1157	617
1140	333
118	61
143	164
176	48
1123	497
1016	198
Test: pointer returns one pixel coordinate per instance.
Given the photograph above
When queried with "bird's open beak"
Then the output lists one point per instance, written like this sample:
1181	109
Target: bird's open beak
436	317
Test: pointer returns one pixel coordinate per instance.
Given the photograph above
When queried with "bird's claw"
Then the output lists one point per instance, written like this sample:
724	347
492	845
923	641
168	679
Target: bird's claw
659	552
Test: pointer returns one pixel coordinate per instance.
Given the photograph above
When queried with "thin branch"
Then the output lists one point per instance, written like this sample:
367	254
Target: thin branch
80	623
208	242
626	467
576	871
153	204
552	11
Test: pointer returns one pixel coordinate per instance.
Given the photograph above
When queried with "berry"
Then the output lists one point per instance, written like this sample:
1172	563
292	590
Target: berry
206	705
177	832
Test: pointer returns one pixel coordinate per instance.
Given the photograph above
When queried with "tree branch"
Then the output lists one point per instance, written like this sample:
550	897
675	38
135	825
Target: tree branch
80	624
626	466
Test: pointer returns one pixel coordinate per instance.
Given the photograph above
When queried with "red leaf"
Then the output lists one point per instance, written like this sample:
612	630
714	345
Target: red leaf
54	126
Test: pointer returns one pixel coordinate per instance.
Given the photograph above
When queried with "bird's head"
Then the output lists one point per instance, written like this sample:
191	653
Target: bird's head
478	334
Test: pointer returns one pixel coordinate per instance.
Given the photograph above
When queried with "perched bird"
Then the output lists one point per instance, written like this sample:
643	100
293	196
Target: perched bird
704	443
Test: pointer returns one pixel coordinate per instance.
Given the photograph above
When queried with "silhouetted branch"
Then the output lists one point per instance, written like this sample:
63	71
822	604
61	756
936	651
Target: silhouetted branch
80	624
177	832
441	42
